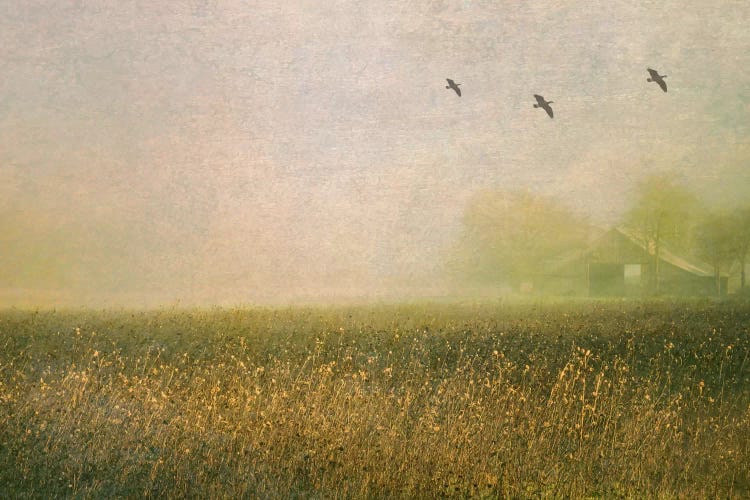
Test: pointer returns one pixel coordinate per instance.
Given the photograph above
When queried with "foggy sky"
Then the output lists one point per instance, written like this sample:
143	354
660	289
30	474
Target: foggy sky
244	150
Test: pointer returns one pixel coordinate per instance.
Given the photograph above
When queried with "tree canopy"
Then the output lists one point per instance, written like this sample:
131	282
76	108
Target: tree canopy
663	211
506	235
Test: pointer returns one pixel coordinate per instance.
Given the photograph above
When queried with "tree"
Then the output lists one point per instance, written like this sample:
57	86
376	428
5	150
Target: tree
507	235
715	243
740	246
664	211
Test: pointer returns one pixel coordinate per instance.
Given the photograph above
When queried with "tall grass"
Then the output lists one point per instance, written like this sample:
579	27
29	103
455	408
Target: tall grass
617	399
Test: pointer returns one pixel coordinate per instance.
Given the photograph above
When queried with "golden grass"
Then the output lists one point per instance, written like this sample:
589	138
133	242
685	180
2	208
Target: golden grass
617	399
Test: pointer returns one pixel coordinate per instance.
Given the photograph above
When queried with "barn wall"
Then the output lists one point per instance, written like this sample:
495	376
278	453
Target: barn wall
677	281
602	272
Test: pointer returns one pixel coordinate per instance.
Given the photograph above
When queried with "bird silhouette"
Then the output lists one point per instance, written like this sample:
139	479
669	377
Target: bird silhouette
545	105
656	77
453	85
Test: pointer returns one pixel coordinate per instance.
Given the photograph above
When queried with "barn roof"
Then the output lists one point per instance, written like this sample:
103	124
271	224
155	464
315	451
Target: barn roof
692	266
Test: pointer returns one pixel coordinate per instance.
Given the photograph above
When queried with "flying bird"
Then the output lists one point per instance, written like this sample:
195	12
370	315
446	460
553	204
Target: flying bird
453	85
545	105
656	77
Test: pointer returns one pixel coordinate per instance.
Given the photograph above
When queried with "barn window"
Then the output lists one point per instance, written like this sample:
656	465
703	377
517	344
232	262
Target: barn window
632	274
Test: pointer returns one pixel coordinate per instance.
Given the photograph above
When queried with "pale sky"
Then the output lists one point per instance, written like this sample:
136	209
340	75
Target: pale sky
243	149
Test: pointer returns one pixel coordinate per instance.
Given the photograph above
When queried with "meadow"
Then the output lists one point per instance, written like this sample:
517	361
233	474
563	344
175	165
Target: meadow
590	399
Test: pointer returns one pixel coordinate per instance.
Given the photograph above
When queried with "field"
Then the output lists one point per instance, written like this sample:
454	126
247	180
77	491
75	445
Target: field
589	399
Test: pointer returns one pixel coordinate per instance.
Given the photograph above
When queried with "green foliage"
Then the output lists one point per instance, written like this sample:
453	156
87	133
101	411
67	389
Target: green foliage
740	238
714	241
595	399
663	211
506	236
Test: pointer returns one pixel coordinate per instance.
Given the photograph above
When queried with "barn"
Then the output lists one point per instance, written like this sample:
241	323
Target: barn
620	263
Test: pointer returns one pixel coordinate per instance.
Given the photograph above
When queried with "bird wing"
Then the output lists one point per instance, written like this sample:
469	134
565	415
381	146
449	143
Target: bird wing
539	98
548	109
458	90
450	82
662	84
653	73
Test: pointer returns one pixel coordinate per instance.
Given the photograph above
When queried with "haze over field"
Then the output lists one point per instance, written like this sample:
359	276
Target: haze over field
219	151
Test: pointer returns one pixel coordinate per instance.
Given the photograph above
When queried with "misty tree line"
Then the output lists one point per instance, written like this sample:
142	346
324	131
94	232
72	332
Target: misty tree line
666	213
724	238
507	236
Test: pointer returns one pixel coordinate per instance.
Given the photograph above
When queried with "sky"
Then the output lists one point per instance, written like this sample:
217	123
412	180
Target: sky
250	151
